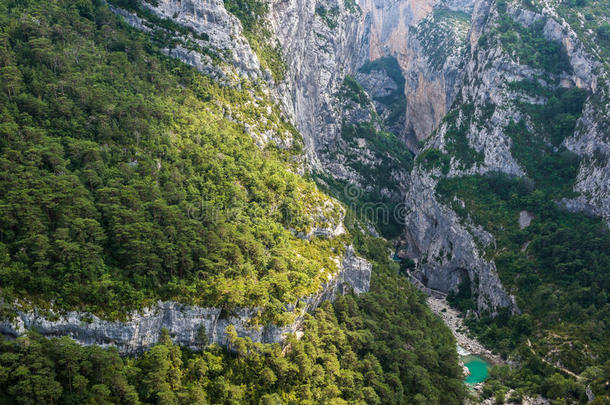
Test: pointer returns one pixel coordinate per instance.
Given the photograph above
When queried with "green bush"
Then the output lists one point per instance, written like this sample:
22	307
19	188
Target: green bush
529	47
603	32
458	145
434	158
352	90
539	150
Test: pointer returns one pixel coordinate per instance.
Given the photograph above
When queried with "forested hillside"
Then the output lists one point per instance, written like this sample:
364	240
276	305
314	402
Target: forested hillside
128	177
503	161
383	348
125	177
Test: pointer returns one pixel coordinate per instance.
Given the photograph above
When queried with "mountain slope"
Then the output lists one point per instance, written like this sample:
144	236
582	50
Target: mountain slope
130	178
119	163
507	186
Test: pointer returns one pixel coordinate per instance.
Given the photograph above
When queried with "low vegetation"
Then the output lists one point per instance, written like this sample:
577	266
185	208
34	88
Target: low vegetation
527	45
456	134
441	34
589	19
252	14
396	101
433	158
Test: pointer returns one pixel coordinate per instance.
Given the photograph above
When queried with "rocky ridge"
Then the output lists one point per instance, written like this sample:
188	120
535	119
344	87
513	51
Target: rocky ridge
183	322
445	250
318	52
218	47
444	244
591	140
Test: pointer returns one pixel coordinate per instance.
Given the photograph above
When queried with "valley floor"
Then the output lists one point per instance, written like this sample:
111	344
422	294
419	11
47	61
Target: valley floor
455	322
469	345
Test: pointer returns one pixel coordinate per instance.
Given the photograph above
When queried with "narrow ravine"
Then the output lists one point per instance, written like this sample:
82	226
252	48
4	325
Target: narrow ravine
467	345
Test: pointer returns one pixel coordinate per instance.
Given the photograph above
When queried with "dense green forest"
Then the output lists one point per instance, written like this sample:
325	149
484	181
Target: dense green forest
559	270
382	347
124	177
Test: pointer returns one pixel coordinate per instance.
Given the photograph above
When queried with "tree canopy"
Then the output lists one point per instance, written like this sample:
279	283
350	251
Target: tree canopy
127	177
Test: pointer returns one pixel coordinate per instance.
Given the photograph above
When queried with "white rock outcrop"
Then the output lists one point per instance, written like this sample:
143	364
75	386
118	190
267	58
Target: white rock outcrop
143	329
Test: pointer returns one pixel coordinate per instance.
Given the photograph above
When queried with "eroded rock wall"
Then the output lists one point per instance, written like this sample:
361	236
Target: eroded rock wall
319	52
428	40
183	322
448	248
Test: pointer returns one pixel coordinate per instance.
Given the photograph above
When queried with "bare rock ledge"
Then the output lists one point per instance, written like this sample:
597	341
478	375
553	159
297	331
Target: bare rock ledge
143	329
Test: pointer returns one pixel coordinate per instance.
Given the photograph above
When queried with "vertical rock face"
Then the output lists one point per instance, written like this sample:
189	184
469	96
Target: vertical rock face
428	40
438	46
446	250
325	43
321	43
391	22
143	329
221	31
592	141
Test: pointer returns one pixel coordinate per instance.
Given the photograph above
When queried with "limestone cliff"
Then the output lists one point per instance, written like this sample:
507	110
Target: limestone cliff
476	138
212	40
143	329
428	40
321	43
446	251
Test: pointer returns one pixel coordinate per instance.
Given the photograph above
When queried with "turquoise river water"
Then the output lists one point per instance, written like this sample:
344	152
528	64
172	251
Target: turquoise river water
478	369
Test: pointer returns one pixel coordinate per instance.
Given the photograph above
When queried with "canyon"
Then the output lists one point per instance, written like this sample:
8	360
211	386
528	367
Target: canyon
433	62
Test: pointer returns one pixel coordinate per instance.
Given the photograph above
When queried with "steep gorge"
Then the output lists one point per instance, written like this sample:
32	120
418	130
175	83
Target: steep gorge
437	124
444	67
